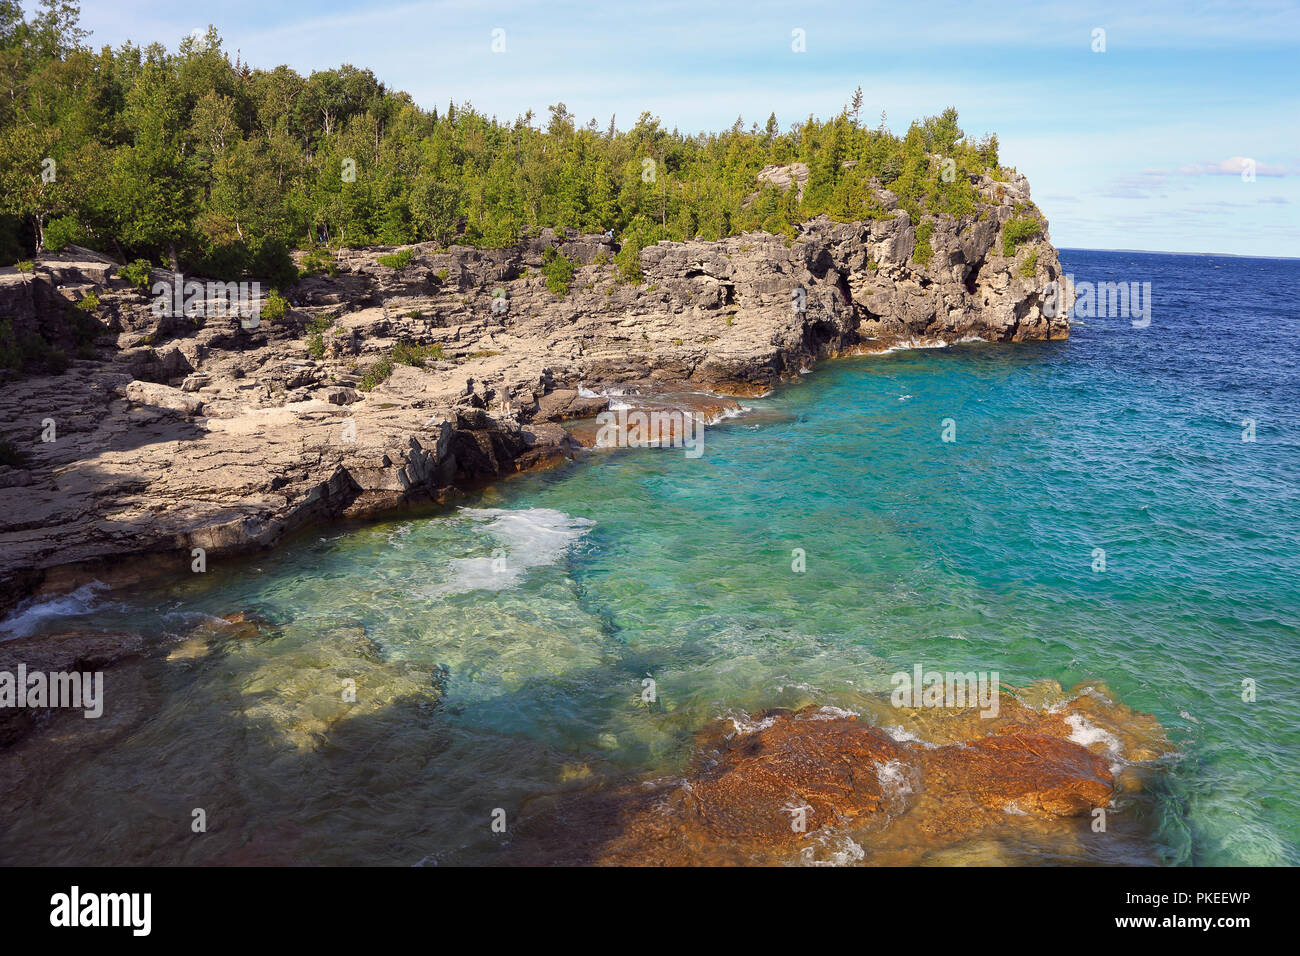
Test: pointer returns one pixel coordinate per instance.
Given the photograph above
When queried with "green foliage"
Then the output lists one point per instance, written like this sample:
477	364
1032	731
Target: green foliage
641	232
1029	267
88	302
923	252
1019	229
319	260
376	373
274	307
416	355
269	259
316	329
558	271
402	354
29	352
62	232
180	157
139	273
397	260
25	266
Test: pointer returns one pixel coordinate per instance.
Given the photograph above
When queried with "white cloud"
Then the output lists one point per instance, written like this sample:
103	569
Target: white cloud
1235	166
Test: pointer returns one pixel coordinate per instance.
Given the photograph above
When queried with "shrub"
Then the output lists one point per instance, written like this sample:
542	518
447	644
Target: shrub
25	266
270	260
88	302
558	271
1030	266
274	307
29	352
416	355
62	232
923	252
227	261
376	373
398	260
138	273
316	328
317	261
1017	230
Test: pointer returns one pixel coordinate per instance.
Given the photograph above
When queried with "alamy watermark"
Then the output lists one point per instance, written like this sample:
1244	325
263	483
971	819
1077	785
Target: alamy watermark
37	689
1102	300
212	300
651	428
955	689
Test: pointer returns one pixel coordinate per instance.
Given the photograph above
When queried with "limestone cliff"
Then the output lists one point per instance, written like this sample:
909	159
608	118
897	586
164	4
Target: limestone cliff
186	432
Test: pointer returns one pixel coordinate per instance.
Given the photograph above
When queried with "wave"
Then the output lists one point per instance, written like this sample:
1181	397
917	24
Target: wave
524	539
28	617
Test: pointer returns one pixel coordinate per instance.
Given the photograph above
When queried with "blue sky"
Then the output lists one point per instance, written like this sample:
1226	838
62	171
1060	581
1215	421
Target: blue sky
1137	147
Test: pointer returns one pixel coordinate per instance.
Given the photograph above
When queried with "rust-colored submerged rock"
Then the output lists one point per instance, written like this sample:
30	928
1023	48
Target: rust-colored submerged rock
822	784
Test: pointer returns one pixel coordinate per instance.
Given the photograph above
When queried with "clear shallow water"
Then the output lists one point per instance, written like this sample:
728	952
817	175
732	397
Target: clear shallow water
538	610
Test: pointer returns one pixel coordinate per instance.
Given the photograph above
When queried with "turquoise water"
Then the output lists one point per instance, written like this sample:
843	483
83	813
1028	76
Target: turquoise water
539	608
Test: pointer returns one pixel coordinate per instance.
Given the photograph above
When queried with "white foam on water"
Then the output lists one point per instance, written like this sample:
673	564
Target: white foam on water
585	392
839	849
907	345
397	534
830	712
1085	733
744	725
32	613
528	538
728	413
895	781
905	736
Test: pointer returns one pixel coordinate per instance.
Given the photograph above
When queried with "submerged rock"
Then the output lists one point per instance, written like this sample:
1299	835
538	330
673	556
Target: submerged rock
823	785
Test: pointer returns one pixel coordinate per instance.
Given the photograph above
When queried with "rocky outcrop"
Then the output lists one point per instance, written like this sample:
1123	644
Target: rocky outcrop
207	431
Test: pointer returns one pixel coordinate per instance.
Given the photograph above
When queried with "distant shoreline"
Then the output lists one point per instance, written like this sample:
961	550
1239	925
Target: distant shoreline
1161	252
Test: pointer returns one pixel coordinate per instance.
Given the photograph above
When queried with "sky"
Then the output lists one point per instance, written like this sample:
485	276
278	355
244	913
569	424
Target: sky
1134	137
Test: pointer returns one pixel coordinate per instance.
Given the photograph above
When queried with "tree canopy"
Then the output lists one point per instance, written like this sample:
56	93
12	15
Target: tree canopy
191	157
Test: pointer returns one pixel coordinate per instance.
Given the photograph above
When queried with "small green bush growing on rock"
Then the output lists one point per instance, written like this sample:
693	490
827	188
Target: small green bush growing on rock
1017	230
923	252
138	273
25	266
376	373
397	260
29	352
316	328
1029	266
88	302
416	355
274	307
558	271
319	261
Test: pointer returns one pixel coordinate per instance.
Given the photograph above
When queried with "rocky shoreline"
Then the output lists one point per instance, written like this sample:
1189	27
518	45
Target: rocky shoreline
195	432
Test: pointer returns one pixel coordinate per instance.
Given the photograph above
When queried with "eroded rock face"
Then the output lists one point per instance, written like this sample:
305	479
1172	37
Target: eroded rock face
787	787
189	433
